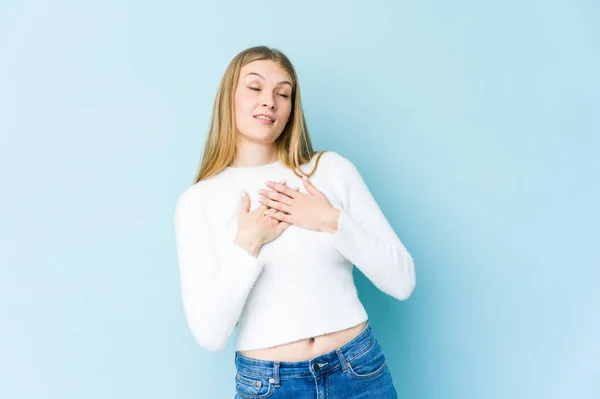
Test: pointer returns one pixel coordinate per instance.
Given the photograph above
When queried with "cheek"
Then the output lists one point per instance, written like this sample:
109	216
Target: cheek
241	107
288	112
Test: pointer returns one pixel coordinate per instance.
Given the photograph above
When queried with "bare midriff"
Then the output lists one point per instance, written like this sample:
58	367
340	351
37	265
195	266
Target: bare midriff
308	348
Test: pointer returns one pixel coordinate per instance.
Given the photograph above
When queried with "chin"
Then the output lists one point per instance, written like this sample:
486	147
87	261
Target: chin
261	137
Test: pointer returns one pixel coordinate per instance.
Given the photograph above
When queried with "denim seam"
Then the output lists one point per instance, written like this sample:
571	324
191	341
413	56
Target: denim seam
375	373
249	374
255	396
362	351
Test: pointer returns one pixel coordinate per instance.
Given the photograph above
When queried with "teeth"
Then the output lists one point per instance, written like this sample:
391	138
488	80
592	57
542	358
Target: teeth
264	117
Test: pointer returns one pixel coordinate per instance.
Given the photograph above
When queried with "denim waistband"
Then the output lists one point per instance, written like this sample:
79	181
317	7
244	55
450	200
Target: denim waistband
325	363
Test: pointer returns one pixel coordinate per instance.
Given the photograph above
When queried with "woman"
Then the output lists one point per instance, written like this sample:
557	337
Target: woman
277	263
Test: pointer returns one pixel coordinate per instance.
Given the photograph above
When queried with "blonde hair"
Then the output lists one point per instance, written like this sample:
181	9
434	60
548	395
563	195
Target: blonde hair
294	146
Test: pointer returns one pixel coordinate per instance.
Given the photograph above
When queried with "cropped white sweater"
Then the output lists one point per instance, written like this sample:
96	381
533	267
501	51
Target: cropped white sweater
300	285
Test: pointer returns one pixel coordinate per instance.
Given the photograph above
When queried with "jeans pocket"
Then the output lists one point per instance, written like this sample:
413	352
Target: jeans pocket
368	364
252	387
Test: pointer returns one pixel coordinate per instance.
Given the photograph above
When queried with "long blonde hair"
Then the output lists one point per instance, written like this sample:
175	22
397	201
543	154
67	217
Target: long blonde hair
294	146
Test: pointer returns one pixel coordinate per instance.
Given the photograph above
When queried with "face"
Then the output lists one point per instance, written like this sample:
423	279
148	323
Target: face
263	101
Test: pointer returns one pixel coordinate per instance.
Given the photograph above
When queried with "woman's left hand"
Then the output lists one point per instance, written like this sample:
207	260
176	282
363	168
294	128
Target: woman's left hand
311	211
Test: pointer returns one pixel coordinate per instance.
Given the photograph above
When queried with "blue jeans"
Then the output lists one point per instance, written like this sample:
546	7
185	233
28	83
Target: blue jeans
356	370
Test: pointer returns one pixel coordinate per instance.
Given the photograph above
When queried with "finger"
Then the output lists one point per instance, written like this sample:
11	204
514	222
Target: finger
275	196
281	216
245	205
282	188
309	186
274	204
262	209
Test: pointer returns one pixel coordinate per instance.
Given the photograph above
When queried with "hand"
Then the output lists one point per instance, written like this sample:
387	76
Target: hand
255	229
310	211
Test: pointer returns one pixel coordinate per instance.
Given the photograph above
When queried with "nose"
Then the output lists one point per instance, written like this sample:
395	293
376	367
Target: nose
269	100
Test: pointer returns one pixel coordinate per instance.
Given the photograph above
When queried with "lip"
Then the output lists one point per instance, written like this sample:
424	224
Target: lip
264	120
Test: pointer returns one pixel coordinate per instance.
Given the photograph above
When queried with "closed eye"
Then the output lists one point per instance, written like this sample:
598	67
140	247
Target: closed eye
257	89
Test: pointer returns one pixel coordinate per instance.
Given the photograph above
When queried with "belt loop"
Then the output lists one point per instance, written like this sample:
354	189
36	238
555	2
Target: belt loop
276	373
342	360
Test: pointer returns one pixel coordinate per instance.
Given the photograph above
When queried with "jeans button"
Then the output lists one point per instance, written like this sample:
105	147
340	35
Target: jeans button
316	367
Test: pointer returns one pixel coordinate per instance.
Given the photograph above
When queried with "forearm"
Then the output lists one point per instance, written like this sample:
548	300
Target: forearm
213	304
330	221
378	254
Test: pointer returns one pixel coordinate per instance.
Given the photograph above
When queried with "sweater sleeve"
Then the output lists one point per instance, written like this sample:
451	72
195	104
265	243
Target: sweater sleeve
214	286
366	239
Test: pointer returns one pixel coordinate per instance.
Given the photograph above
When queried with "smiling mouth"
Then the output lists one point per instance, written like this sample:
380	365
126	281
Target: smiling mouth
264	118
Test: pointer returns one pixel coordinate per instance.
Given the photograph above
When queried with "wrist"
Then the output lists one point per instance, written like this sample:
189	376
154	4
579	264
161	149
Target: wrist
251	247
331	222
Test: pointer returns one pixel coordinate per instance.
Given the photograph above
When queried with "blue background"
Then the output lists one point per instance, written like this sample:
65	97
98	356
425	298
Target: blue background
475	124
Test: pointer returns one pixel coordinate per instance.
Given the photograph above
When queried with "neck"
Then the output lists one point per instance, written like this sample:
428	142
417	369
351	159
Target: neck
251	155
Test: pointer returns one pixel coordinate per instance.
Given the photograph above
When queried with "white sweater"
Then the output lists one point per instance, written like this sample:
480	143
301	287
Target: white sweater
300	285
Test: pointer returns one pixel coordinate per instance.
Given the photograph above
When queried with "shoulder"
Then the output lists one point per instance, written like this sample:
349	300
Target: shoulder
190	200
333	160
198	192
336	163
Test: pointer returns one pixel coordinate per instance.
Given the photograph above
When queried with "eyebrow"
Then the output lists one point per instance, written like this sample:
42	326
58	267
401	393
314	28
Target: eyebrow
262	77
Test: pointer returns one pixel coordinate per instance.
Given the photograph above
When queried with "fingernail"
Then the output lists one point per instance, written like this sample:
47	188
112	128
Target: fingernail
305	177
282	182
243	194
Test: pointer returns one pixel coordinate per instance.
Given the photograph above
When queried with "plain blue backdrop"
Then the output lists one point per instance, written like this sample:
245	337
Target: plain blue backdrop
474	123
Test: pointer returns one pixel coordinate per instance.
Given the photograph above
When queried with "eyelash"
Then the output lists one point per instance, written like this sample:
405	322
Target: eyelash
257	89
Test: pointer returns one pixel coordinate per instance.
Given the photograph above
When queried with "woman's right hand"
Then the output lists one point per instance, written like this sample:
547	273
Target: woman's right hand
255	229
